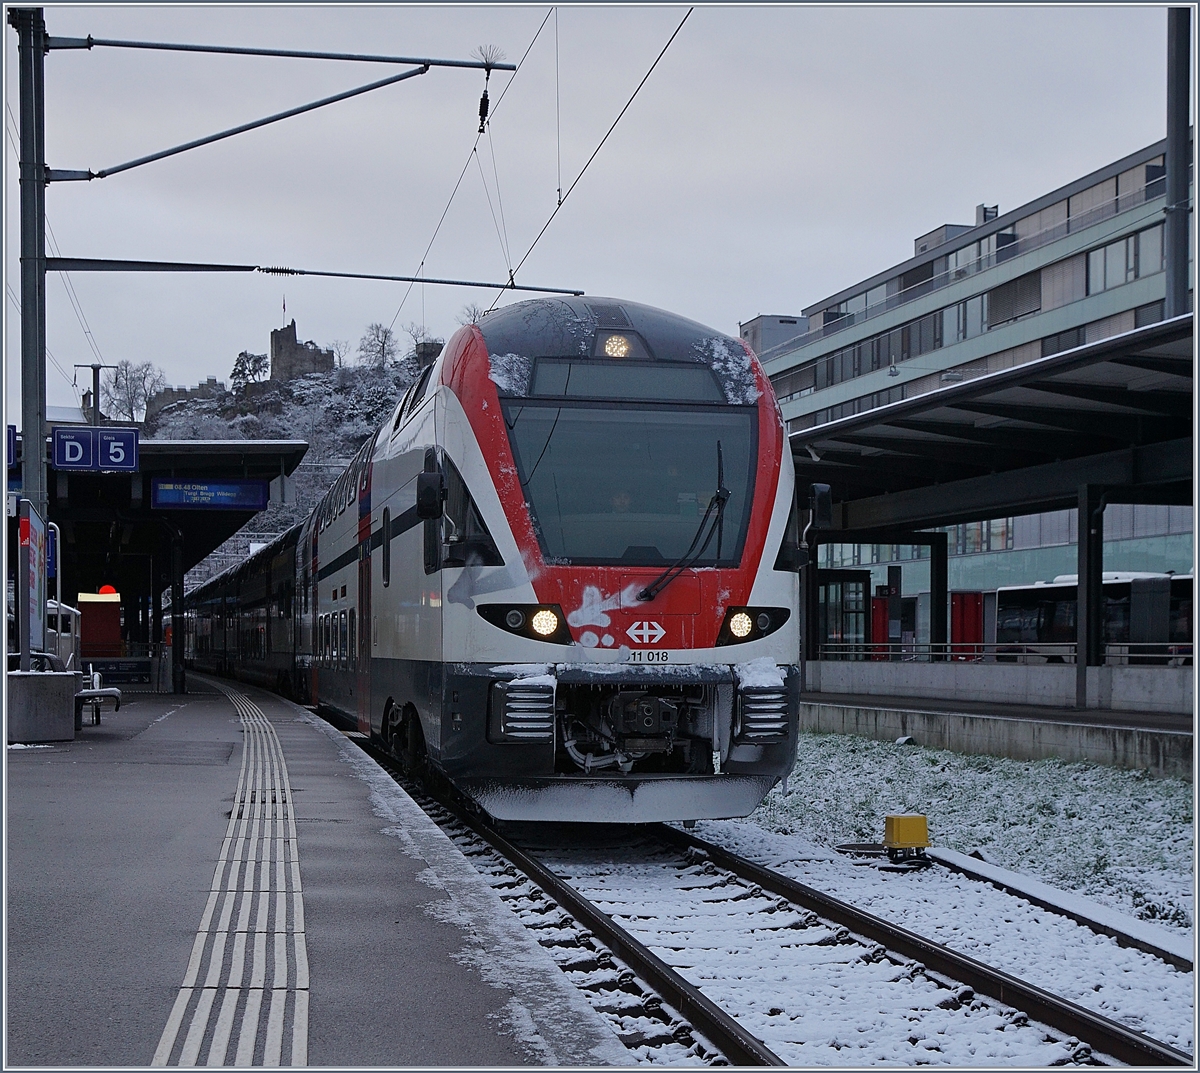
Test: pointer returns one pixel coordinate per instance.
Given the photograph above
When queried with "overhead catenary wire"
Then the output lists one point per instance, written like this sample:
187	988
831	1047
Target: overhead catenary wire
499	198
12	297
467	162
491	208
596	151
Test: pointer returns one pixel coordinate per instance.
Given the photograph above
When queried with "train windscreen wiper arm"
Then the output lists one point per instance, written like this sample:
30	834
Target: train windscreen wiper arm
717	503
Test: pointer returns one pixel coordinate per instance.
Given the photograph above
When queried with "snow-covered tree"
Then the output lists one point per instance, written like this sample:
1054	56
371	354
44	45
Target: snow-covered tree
126	389
377	348
248	369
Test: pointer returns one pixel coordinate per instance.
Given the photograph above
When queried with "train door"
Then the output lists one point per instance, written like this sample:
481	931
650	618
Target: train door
360	632
316	652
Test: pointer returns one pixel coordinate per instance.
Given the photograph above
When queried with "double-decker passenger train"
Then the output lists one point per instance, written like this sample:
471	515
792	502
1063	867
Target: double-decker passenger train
563	571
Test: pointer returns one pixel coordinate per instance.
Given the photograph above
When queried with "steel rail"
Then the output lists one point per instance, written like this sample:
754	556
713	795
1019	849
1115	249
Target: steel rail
739	1046
1099	927
1101	1033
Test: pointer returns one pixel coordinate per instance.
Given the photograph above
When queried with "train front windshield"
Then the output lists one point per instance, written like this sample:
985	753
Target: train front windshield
629	484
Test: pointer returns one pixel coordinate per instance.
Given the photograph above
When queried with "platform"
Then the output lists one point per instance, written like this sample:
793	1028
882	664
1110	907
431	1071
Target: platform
1157	742
206	877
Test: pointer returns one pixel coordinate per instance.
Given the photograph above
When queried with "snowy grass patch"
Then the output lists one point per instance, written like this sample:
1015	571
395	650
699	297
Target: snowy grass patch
1120	837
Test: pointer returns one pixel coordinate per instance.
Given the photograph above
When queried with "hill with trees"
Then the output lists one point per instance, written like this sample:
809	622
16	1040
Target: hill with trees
333	412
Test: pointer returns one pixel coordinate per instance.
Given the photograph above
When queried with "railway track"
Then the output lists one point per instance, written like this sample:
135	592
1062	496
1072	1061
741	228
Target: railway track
942	987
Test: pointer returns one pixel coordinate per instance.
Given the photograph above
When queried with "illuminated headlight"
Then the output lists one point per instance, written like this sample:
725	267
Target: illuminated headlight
539	622
740	625
616	346
744	624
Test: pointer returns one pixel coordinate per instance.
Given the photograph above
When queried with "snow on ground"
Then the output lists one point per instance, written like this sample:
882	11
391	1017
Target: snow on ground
811	996
1120	837
974	918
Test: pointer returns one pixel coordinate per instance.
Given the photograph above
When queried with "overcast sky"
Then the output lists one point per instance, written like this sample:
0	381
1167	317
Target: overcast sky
776	155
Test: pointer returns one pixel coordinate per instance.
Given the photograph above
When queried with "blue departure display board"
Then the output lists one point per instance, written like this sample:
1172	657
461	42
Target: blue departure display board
208	495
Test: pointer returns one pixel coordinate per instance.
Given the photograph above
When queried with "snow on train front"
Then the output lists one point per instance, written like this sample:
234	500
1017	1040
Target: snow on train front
601	621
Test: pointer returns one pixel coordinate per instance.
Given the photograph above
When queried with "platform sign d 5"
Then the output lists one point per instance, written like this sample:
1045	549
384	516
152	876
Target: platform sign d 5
109	450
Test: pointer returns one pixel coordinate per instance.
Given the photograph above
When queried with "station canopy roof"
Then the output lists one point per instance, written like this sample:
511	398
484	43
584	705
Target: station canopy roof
113	534
1116	413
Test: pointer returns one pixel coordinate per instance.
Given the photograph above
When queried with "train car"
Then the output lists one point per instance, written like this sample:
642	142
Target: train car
562	570
1147	618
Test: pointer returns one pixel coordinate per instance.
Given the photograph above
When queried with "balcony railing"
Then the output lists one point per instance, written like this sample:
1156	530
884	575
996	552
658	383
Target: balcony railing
1014	248
1026	653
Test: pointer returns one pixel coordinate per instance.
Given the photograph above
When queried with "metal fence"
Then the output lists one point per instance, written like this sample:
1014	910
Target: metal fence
1125	654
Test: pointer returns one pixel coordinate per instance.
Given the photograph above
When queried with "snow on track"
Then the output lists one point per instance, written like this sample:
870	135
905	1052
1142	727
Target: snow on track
1004	931
813	994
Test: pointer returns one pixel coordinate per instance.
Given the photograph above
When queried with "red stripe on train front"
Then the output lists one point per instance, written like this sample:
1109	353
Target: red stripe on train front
600	601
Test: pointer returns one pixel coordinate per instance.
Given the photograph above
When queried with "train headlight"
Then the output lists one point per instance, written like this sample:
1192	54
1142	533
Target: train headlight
744	624
616	346
538	622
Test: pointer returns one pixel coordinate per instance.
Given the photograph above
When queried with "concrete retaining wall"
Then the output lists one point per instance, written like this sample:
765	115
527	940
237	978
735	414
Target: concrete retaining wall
41	706
1131	689
1160	752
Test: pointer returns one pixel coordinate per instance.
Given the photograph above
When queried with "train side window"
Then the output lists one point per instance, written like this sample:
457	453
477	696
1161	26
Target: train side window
387	546
466	540
418	391
342	639
351	641
403	407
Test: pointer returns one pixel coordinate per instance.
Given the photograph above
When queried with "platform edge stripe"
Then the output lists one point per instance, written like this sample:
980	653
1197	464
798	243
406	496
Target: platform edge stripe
300	1029
224	1027
166	1042
301	949
237	962
273	1044
196	959
249	1033
272	837
209	906
199	1025
216	960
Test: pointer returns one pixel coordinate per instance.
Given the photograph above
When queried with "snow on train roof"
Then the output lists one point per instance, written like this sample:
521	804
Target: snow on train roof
567	327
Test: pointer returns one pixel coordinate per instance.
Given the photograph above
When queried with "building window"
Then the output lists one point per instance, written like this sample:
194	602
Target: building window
1147	314
1125	260
1016	298
1052	344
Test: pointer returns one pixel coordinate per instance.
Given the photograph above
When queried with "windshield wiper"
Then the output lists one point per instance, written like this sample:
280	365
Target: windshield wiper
717	504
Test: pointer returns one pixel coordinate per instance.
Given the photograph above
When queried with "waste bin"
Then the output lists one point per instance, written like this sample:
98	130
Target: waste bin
41	706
